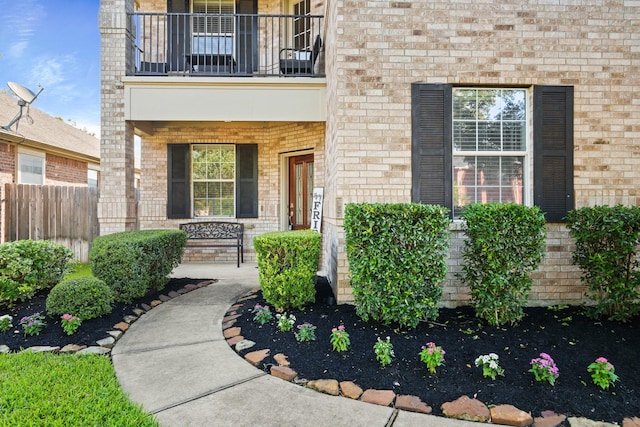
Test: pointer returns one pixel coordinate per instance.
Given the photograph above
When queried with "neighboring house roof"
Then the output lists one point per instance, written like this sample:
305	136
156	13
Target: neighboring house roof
46	133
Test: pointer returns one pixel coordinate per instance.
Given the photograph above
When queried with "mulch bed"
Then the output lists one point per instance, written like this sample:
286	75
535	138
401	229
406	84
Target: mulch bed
89	332
567	334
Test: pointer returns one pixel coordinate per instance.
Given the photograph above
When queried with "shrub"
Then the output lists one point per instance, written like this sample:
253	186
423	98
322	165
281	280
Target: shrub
287	267
397	259
505	242
28	266
607	239
85	297
134	262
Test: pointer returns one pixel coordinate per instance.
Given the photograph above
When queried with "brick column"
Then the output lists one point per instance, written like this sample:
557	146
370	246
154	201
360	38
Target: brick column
117	206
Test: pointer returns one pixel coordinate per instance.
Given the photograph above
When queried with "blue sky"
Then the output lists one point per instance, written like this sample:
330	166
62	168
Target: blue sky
55	43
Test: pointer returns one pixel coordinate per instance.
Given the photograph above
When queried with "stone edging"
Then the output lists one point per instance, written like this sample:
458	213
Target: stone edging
105	345
463	408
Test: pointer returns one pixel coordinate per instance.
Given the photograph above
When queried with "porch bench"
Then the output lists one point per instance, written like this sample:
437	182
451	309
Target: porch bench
216	234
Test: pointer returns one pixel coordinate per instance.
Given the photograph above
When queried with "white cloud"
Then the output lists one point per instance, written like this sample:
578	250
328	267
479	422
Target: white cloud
20	20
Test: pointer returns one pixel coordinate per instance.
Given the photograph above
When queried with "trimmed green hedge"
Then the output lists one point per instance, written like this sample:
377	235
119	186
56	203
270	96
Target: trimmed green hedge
85	297
28	266
607	240
397	260
505	242
134	262
288	266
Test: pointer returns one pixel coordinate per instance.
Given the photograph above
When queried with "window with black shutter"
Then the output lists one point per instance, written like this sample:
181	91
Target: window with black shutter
206	189
469	145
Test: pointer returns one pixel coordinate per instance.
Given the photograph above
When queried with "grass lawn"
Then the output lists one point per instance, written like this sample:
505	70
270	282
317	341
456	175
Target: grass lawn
64	390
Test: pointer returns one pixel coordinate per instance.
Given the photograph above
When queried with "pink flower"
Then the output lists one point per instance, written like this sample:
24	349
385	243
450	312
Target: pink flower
341	327
334	330
602	360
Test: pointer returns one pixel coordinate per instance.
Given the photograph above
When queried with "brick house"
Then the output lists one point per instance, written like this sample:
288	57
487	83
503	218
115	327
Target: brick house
244	106
44	151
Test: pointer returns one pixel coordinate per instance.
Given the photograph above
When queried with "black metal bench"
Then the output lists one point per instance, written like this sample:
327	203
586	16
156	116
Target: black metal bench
213	233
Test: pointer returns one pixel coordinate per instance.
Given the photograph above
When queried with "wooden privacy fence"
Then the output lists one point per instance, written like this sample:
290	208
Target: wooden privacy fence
65	215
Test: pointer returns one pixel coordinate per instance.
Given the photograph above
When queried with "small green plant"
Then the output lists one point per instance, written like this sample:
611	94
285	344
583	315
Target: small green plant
340	339
306	332
432	356
70	323
384	351
86	297
285	324
490	365
262	314
544	369
6	323
32	325
602	372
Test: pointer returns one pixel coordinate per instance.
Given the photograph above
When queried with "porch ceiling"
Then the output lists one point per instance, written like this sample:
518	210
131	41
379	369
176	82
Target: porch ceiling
206	99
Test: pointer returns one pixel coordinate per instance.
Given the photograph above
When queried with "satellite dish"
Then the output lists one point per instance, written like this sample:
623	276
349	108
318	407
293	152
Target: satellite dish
26	98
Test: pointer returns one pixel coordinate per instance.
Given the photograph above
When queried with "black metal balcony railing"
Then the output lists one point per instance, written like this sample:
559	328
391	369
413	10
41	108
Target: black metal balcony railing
225	45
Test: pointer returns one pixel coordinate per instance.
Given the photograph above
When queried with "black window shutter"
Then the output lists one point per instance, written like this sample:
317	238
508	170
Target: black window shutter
431	144
553	151
247	181
178	186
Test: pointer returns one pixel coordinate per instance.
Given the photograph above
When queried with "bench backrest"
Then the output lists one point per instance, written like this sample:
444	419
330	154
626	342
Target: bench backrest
213	230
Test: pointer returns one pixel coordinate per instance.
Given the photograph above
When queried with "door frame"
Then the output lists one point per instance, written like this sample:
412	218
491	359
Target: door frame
284	184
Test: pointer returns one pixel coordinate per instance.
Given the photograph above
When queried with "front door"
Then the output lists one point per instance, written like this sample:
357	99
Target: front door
300	191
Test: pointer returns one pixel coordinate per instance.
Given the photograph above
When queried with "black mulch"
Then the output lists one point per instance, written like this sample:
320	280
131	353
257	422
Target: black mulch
568	335
89	332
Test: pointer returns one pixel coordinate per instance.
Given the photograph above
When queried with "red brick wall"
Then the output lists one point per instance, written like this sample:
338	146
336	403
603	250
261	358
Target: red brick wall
61	170
8	159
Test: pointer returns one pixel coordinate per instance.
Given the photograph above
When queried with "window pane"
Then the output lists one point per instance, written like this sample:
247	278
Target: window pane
199	190
464	136
488	136
513	136
464	104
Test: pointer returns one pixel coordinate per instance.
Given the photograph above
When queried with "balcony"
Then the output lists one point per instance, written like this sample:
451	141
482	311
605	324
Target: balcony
225	45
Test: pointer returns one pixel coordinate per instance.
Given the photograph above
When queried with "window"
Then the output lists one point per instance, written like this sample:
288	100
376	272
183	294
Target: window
489	146
213	27
302	26
92	178
30	169
471	145
212	180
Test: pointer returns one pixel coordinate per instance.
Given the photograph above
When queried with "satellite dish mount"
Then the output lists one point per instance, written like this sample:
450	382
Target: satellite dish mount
27	97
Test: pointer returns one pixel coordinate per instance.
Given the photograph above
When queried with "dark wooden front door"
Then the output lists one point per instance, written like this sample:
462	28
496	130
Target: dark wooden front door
300	191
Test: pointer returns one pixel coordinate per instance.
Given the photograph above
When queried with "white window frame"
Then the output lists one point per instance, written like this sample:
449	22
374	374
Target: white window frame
24	154
195	212
526	154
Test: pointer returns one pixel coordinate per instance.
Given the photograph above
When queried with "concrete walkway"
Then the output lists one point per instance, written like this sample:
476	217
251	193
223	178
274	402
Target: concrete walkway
175	362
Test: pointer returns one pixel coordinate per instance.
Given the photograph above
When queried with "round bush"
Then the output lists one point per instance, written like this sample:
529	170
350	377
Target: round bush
85	297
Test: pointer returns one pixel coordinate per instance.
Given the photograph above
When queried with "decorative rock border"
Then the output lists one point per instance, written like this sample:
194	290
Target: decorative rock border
463	408
104	346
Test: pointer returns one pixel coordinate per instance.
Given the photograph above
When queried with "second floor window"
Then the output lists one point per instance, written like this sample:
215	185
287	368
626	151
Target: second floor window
213	26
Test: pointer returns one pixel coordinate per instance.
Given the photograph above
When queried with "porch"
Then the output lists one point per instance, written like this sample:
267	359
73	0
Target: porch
234	45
